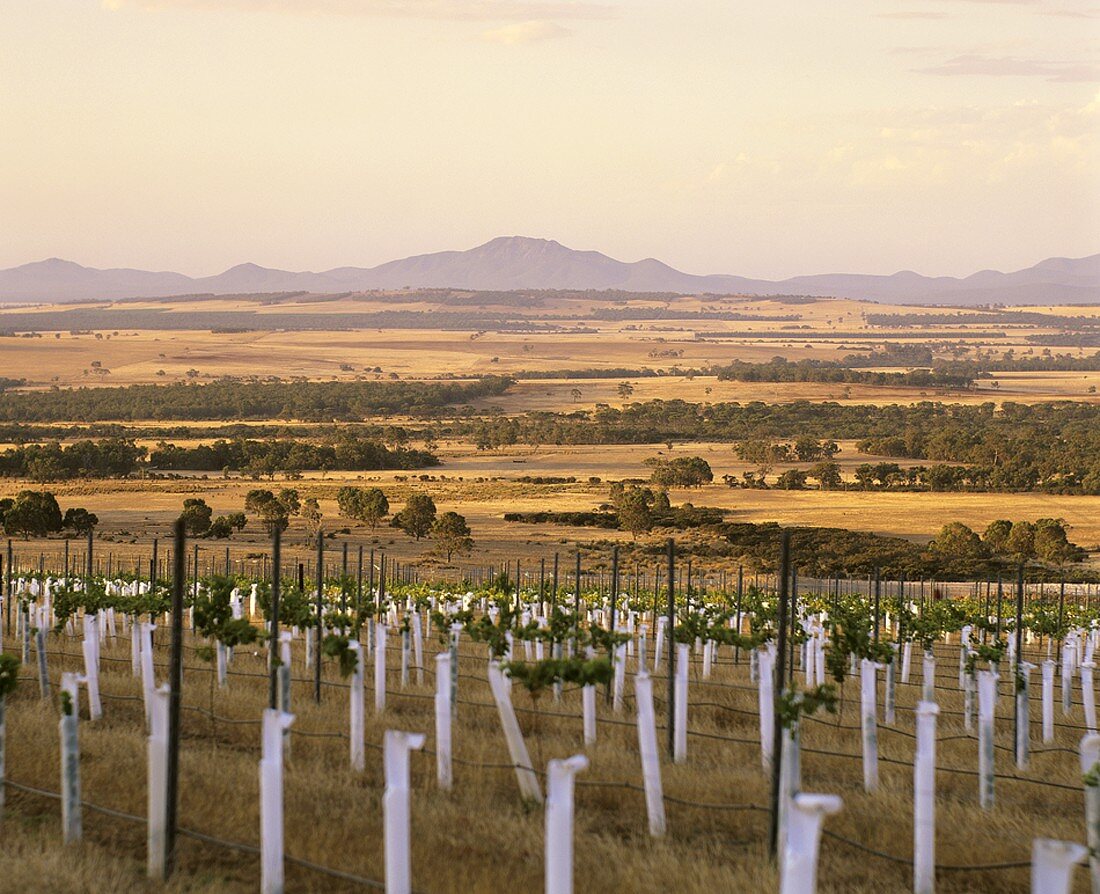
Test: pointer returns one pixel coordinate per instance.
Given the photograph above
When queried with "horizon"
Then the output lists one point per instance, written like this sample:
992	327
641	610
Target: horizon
941	136
517	236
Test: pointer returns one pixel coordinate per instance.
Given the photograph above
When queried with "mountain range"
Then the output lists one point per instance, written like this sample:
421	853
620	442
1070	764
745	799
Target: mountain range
520	262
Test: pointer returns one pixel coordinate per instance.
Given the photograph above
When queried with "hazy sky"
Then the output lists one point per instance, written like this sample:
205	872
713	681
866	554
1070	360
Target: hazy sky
760	138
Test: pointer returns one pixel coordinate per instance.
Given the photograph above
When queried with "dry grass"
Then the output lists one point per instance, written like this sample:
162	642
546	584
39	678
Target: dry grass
483	486
139	355
480	838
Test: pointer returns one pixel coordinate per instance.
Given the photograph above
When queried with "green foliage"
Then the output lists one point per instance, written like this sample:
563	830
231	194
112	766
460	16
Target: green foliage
851	623
442	623
605	640
81	459
537	676
214	614
494	634
418	516
366	505
33	514
683	471
794	704
274	511
9	674
338	646
985	653
196	516
229	399
452	534
79	520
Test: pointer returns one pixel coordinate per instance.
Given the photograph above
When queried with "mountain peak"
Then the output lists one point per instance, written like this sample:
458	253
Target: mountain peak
54	264
520	245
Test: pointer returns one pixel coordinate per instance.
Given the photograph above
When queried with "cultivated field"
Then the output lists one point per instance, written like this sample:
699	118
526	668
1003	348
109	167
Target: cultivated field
481	837
595	414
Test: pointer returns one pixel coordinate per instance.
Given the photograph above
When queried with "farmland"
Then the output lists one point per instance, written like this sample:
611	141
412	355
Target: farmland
555	427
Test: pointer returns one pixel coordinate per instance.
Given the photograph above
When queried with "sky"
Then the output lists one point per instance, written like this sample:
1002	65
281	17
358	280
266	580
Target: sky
721	136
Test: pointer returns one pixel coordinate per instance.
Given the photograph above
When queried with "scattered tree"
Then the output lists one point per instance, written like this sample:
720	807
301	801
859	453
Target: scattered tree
452	534
418	516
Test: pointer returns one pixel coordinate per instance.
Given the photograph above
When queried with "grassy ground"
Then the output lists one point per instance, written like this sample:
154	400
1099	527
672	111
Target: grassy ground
484	486
480	837
65	358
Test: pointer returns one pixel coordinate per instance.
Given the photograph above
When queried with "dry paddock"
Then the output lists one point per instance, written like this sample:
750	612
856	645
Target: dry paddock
480	837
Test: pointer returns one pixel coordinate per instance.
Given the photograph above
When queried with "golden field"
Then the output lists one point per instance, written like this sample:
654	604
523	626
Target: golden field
480	837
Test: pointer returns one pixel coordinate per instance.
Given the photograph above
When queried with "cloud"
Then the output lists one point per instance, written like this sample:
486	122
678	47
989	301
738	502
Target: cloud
1093	13
525	32
946	150
911	14
525	11
971	65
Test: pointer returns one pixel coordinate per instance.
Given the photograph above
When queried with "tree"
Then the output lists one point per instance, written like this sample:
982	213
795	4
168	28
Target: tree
220	528
958	546
625	389
634	506
827	475
575	393
996	536
369	505
45	468
196	516
33	513
683	471
792	479
418	516
1051	543
311	512
274	511
288	497
452	534
79	520
808	449
1020	544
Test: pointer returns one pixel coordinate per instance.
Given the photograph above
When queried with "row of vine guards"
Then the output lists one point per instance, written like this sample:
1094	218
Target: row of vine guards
831	640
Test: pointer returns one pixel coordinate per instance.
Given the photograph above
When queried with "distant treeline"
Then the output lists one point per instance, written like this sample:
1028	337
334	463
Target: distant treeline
120	457
832	371
83	459
268	457
1067	339
600	373
671	313
244	321
1053	447
309	401
680	518
658	421
984	318
800	333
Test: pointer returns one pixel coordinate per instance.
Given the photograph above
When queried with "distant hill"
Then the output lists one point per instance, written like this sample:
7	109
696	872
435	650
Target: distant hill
520	262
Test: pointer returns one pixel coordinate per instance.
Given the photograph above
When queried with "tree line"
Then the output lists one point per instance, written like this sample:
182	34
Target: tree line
116	457
348	453
1053	446
780	369
227	399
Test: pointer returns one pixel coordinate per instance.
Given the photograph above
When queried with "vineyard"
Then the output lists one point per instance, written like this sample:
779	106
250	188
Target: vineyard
445	736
